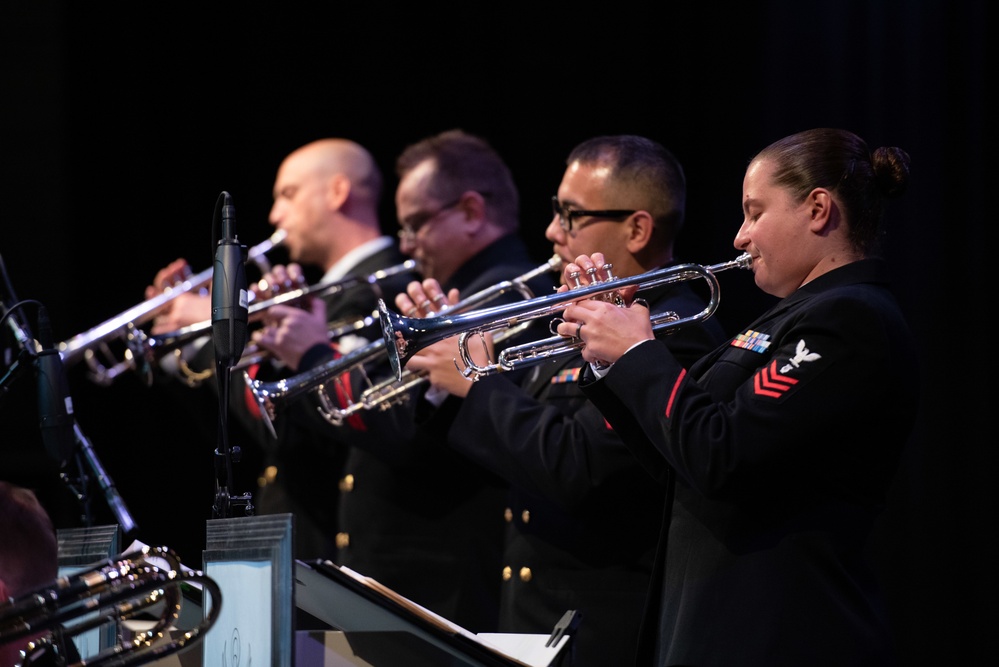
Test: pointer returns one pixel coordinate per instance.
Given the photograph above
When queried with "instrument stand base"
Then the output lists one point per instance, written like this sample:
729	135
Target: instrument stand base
225	505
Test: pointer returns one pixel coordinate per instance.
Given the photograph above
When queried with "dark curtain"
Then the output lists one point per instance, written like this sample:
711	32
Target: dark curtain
120	128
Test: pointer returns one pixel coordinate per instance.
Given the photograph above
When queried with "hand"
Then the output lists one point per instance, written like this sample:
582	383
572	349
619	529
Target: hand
425	299
289	332
278	280
183	310
606	329
438	361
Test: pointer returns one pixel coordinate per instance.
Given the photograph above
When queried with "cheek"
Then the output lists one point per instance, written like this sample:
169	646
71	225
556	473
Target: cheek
585	243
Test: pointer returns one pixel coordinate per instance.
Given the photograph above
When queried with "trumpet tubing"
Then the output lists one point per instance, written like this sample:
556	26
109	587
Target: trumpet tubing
150	349
268	394
405	336
110	592
385	393
86	344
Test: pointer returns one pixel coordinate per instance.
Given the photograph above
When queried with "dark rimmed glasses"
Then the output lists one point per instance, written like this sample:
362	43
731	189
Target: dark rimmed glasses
415	221
565	215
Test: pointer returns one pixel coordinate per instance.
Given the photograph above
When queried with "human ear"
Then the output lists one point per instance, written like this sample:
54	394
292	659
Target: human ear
640	228
820	206
473	207
337	191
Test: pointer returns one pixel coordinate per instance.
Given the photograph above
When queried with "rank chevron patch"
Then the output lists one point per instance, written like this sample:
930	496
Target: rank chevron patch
771	382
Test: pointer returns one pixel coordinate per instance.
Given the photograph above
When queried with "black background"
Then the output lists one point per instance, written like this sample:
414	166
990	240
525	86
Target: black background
122	126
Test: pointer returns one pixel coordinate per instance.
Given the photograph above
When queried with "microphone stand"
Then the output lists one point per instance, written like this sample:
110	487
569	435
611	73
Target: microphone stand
111	495
84	450
229	320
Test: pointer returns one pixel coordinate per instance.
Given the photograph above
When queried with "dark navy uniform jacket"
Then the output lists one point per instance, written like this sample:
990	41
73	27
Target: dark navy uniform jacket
303	463
416	516
782	444
582	516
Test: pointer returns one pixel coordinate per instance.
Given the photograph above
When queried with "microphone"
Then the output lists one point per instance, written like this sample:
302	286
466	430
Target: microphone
55	405
229	292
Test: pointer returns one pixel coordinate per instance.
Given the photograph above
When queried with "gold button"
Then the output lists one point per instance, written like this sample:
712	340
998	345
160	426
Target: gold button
508	515
525	574
342	540
268	476
525	516
507	573
346	483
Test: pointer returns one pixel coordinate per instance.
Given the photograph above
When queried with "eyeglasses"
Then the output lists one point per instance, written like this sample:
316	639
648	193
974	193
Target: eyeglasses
565	215
415	221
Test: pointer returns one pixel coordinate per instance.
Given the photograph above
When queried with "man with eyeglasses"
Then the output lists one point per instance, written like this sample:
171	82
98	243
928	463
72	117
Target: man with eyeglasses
416	516
583	517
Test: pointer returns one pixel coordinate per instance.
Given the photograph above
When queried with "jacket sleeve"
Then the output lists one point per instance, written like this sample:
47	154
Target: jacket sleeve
817	408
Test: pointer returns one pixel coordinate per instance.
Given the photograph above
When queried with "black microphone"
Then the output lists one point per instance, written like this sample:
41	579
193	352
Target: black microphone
229	292
55	405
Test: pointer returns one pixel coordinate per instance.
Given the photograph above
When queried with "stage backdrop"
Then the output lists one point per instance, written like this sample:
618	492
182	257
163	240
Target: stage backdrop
121	127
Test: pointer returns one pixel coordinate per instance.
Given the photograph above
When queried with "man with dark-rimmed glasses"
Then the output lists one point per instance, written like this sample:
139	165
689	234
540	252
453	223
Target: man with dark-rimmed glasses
583	516
416	516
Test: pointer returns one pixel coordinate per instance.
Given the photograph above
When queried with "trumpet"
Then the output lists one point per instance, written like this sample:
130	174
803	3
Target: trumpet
405	336
390	391
87	344
111	592
152	348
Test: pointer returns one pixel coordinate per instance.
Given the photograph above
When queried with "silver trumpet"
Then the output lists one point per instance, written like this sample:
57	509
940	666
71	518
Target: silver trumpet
94	342
146	581
152	348
388	392
405	336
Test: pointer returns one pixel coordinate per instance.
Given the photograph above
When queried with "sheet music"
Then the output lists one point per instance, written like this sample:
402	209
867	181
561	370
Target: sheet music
528	650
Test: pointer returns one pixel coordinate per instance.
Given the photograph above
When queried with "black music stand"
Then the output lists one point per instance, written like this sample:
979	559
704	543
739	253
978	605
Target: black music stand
380	629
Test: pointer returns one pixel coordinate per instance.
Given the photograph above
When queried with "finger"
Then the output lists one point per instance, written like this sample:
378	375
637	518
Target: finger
570	275
319	308
279	279
296	275
405	305
419	297
435	295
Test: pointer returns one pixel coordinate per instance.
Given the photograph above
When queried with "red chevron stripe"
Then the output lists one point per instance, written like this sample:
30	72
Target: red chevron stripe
769	382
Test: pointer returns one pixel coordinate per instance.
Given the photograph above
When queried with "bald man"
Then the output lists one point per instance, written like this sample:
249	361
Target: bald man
326	198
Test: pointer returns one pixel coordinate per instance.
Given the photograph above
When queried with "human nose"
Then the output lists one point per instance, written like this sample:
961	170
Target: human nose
741	240
275	215
554	230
